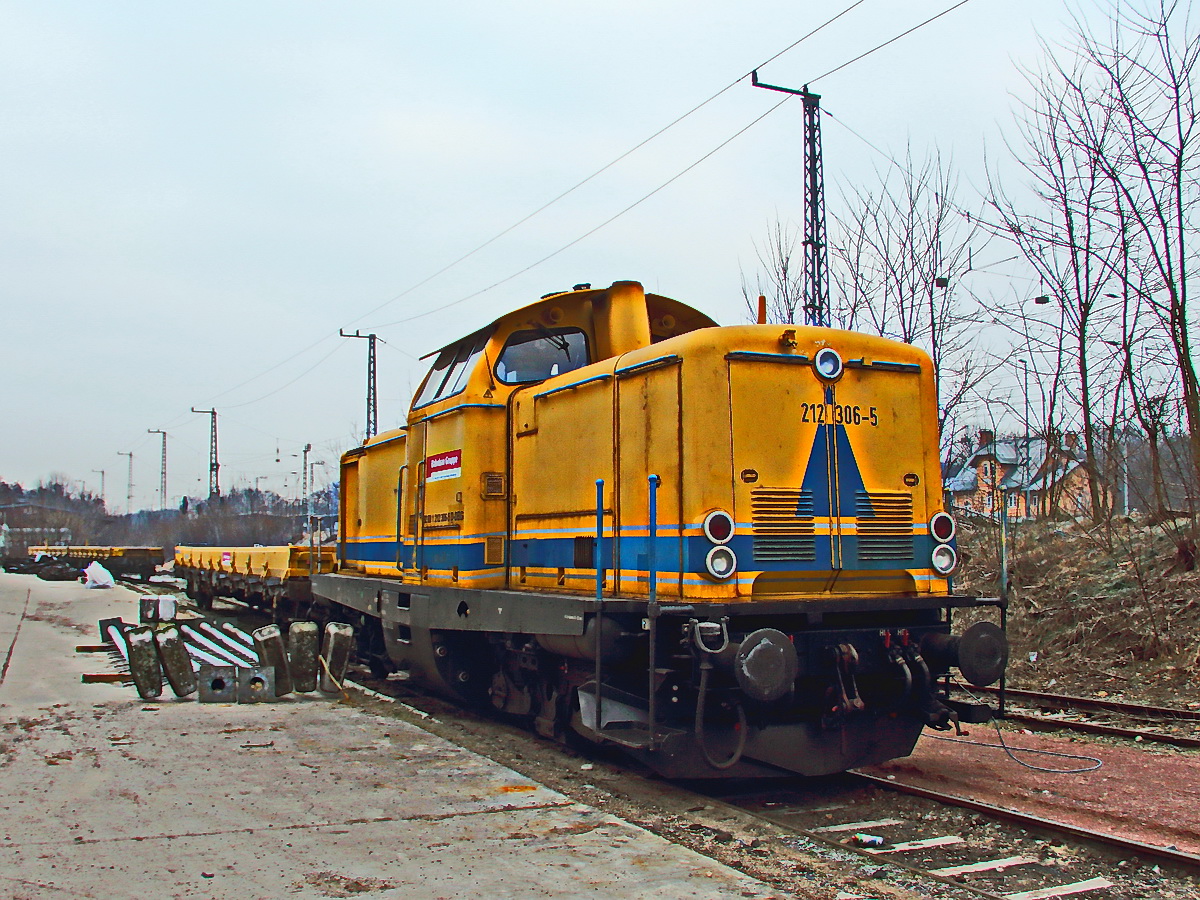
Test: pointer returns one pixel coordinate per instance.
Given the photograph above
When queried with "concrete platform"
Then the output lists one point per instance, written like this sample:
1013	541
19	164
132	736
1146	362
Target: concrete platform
105	796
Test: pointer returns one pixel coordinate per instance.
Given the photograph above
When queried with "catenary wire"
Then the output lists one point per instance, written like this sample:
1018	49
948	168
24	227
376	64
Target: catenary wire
212	398
541	209
589	178
605	167
589	233
286	384
673	178
902	34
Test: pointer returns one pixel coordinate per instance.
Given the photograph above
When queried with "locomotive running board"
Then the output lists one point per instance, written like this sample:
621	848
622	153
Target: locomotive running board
625	720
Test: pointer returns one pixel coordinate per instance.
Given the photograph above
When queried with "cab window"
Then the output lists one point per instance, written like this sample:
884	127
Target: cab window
530	356
451	370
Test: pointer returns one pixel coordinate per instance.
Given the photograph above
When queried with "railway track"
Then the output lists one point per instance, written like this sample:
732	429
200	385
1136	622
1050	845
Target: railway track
1069	701
983	850
971	848
1067	705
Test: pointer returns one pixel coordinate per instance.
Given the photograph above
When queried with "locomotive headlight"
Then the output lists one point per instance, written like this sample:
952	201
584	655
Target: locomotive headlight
720	563
828	364
942	527
944	559
718	526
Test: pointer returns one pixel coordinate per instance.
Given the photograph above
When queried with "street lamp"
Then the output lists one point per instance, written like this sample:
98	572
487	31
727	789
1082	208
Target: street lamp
1028	474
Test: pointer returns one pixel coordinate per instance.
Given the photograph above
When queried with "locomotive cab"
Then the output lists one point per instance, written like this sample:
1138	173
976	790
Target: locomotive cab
721	547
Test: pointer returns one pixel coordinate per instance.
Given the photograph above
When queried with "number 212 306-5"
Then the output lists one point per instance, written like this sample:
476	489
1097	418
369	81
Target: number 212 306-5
836	414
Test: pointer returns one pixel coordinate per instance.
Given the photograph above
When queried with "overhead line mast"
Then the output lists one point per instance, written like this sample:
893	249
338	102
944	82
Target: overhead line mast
816	277
214	463
162	480
372	395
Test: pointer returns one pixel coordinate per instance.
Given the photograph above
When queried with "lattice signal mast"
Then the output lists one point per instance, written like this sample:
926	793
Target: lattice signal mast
162	480
816	277
372	395
214	462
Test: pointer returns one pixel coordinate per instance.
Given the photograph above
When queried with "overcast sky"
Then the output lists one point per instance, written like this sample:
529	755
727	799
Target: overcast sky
195	197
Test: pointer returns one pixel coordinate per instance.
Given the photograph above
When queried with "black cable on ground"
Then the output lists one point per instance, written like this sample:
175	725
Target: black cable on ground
1011	752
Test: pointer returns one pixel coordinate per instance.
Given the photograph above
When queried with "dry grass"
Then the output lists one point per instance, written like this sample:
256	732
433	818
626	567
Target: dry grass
1094	609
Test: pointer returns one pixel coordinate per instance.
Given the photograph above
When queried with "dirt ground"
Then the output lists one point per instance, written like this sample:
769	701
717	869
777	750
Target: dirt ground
1139	793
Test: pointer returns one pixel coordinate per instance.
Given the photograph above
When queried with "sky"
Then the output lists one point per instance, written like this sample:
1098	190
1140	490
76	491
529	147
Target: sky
194	198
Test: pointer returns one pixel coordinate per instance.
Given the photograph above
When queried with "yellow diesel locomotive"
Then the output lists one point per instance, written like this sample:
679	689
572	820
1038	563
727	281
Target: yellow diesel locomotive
721	548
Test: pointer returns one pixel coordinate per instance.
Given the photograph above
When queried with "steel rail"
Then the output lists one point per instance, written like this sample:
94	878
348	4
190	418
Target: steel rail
1158	737
1068	701
1179	858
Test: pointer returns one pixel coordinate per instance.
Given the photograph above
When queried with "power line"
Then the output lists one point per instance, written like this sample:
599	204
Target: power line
588	234
584	181
902	34
699	106
580	184
962	211
678	175
287	384
525	219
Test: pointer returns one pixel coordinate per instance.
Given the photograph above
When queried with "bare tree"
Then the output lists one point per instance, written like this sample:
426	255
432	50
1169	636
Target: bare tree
1072	245
899	254
1142	75
777	280
1110	148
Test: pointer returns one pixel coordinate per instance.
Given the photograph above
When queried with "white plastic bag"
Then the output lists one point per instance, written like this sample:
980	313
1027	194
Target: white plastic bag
98	576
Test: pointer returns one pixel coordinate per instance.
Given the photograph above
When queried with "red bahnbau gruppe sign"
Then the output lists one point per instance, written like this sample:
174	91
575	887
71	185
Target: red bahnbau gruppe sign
441	466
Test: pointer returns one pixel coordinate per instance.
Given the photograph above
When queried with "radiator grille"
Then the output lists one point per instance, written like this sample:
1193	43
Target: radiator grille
783	524
884	525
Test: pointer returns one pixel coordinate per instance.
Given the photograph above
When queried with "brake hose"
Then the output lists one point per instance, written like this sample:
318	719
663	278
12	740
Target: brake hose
706	667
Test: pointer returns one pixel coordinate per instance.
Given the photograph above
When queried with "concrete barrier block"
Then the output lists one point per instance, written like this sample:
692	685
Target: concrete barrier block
218	684
303	638
255	684
268	641
143	662
335	656
176	663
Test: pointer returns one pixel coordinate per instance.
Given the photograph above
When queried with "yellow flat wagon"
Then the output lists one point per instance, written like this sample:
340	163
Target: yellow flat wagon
274	578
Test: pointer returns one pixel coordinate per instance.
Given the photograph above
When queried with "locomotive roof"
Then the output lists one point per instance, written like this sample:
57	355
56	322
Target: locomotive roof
691	317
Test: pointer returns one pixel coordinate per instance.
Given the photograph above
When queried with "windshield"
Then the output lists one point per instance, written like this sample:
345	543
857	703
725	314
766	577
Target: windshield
530	356
451	370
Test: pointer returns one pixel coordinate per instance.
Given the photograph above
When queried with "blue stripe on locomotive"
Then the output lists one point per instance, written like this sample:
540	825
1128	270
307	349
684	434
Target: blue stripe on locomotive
559	552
